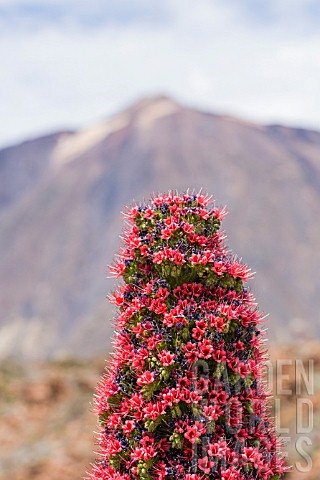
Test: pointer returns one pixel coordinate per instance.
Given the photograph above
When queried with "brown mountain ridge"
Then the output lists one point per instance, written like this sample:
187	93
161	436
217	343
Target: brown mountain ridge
60	198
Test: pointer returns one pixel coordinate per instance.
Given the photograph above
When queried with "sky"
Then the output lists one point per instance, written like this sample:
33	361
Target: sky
67	63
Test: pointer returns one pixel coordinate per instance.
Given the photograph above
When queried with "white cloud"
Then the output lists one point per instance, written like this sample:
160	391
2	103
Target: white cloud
209	53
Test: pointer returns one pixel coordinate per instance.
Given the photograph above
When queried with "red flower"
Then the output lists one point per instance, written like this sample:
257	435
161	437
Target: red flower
158	257
154	410
178	258
136	401
128	426
148	213
117	269
205	464
206	348
212	412
219	268
188	228
230	474
243	369
195	258
194	432
193	476
171	224
191	353
240	271
204	200
219	355
144	250
197	333
216	322
166	233
166	358
166	322
146	378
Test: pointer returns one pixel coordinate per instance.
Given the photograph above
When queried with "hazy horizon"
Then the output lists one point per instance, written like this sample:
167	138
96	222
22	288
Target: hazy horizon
66	64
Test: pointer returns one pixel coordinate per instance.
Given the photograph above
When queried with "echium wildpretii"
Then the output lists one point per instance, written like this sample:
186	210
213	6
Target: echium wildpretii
183	397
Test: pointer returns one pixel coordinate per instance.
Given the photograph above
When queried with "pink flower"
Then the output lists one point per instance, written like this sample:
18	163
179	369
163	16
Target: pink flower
146	378
162	293
212	412
132	213
158	306
230	474
197	333
114	447
194	432
238	345
240	271
219	268
148	213
190	352
152	342
144	250
188	228
195	258
203	200
136	401
178	258
219	355
154	410
220	213
206	348
171	224
117	269
161	471
117	299
193	476
158	257
243	369
166	233
252	455
216	322
141	453
192	237
138	330
166	358
205	464
217	449
128	426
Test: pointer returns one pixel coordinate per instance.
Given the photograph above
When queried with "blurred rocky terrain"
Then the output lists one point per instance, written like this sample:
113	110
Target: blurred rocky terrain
46	427
60	202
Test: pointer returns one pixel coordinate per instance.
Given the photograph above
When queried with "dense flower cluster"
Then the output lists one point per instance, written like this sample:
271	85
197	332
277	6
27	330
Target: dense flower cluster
183	398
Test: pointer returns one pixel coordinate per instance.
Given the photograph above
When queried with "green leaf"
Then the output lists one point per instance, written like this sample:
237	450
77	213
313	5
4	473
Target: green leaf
176	411
211	427
103	417
185	334
115	462
233	377
176	439
248	380
148	390
151	425
114	399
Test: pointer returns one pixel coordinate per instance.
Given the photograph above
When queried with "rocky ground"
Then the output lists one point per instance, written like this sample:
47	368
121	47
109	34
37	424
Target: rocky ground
46	427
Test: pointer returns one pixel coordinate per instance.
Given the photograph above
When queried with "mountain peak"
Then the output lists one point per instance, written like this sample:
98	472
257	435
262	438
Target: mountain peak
152	101
150	109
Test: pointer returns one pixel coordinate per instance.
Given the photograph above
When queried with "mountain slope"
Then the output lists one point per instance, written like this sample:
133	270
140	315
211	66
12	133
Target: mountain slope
22	166
59	235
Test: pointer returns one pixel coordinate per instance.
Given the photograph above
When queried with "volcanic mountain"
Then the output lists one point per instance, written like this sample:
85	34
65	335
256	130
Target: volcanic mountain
60	201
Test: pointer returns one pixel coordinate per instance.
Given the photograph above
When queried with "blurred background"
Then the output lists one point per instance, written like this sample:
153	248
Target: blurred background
103	103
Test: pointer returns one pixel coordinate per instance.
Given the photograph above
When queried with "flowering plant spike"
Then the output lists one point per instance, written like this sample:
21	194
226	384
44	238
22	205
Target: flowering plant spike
183	397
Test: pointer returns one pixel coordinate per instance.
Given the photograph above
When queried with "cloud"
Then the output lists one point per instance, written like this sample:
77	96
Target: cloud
61	71
27	15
